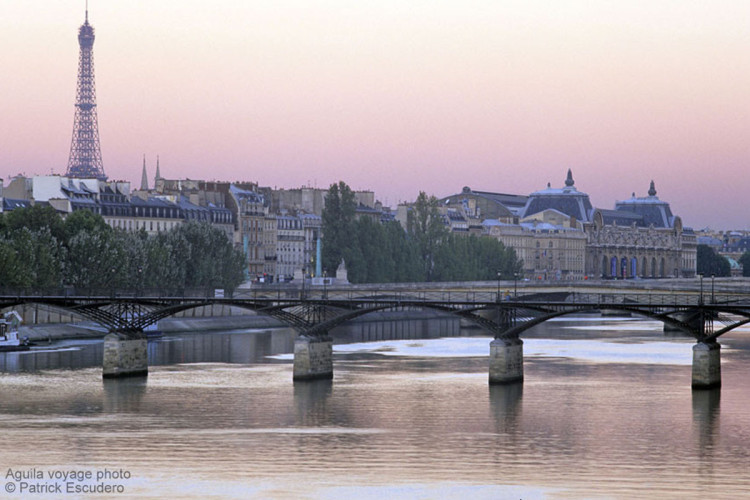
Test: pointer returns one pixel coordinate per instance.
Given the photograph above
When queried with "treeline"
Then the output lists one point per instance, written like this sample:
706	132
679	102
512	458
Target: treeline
426	251
39	250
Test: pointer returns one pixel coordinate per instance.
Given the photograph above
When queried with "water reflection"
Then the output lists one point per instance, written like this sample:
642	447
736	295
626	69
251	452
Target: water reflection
231	347
56	356
505	406
124	395
312	402
706	410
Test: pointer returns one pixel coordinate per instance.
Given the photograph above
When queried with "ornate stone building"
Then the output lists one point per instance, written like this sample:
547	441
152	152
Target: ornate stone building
559	234
639	238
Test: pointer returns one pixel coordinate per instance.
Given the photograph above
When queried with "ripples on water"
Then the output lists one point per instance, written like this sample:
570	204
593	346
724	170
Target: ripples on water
606	411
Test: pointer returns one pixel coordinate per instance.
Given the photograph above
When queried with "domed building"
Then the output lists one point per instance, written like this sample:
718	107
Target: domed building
559	234
567	200
639	238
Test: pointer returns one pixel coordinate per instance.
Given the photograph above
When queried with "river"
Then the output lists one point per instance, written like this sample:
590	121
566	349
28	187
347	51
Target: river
605	411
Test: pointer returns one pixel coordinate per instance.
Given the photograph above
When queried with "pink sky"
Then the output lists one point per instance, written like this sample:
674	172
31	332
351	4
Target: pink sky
397	96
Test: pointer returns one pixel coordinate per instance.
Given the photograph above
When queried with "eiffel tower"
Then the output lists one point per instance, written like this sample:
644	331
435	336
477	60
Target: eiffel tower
85	159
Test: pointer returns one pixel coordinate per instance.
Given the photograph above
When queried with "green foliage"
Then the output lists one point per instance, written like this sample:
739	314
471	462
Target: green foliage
710	263
84	220
95	260
426	226
38	250
338	216
208	256
472	258
385	253
35	218
744	260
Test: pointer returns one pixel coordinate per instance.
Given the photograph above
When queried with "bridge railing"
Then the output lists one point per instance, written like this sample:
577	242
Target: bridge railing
478	296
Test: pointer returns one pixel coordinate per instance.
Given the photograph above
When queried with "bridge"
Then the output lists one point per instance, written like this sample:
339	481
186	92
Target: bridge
313	313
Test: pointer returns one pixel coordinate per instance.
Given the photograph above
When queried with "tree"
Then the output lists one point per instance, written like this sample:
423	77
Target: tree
372	254
338	218
426	226
407	266
35	218
710	263
474	258
84	220
744	260
208	257
96	260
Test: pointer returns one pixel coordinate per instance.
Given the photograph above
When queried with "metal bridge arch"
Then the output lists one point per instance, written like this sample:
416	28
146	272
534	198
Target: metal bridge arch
315	317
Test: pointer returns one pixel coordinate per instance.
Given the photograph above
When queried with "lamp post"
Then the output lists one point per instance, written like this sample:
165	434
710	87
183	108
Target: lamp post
700	299
302	295
325	284
712	288
497	299
515	285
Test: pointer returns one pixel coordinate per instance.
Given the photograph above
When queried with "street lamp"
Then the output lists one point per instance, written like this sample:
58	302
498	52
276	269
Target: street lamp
515	285
712	288
325	283
498	287
700	300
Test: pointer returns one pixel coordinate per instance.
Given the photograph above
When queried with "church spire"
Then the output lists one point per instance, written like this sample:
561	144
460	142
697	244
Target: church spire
652	189
144	177
569	180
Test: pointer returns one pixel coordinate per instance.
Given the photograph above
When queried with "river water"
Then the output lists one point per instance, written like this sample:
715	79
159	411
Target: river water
605	411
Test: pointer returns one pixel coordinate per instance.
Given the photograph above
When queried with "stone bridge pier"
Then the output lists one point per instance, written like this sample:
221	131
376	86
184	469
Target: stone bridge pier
124	356
506	361
706	365
313	358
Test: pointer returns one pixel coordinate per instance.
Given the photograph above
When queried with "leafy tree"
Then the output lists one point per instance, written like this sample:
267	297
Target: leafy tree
35	218
710	263
373	253
426	226
338	227
12	271
96	260
407	265
84	220
744	260
209	258
40	250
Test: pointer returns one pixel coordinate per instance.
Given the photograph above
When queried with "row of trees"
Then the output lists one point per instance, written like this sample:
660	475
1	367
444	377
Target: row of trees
40	250
426	251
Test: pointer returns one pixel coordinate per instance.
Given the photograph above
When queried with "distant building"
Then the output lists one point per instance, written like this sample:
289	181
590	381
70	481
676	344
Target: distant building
559	234
251	210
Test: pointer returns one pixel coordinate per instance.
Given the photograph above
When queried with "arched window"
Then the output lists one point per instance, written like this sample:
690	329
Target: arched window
604	266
